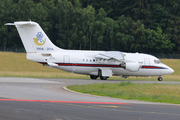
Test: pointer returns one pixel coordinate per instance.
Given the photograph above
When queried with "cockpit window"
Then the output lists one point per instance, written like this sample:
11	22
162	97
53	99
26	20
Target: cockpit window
157	61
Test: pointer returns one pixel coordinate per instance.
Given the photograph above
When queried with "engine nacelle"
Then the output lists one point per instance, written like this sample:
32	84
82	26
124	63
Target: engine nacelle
130	66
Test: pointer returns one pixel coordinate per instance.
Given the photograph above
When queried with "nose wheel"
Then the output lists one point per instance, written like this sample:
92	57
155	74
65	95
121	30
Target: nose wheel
160	79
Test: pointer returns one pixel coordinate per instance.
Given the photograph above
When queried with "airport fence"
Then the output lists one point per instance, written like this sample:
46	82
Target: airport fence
166	56
158	55
12	49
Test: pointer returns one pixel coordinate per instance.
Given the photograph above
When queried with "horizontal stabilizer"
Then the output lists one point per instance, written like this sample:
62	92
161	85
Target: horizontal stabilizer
22	23
9	24
52	64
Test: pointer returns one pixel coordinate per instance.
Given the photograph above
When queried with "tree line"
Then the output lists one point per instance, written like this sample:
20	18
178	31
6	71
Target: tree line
150	26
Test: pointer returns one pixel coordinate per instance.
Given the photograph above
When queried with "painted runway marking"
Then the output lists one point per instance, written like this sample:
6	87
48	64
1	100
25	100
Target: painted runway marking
124	110
111	106
53	101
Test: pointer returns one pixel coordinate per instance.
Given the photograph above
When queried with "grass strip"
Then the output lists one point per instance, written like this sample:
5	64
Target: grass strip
16	65
163	93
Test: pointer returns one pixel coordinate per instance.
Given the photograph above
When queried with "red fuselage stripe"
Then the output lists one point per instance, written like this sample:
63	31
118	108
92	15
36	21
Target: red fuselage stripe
84	65
154	67
100	65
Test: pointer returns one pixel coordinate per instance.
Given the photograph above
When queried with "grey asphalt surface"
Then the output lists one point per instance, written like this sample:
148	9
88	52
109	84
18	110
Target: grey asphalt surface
52	89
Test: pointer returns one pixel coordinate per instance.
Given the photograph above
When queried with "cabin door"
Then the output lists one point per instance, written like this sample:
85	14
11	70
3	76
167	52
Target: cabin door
146	61
66	59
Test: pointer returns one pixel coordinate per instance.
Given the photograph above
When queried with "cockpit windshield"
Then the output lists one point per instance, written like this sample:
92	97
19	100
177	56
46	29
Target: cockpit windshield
157	61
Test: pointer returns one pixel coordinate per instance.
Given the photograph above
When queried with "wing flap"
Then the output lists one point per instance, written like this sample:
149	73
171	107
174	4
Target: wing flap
102	56
111	55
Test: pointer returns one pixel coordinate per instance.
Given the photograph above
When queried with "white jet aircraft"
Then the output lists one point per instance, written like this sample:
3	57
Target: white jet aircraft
103	64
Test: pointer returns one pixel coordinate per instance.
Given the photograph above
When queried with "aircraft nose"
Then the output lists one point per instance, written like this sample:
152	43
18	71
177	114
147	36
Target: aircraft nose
167	70
171	70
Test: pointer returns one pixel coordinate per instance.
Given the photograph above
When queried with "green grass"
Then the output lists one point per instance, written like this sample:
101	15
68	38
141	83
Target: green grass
16	65
164	93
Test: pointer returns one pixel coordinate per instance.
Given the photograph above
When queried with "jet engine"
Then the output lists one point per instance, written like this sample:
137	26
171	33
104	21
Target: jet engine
130	66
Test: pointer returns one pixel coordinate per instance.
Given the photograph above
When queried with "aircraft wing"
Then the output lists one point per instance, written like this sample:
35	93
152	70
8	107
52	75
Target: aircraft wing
111	55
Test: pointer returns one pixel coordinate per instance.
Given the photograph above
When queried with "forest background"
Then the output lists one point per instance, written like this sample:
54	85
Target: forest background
149	26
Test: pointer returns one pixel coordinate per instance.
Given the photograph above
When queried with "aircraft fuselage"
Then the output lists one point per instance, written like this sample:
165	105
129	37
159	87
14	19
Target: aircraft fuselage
101	64
85	62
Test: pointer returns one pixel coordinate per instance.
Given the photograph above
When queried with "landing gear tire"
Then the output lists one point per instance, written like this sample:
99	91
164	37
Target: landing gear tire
103	78
160	79
93	77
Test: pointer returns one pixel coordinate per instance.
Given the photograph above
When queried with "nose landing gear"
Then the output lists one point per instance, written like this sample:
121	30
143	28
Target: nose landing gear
160	79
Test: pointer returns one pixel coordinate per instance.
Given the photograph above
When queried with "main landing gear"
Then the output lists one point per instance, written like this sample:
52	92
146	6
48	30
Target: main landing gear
160	79
103	78
95	77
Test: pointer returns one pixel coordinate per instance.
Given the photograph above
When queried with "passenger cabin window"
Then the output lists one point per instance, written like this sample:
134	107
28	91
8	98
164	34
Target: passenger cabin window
93	60
157	61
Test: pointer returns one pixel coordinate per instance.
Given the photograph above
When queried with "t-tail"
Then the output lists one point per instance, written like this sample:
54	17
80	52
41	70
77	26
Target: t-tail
34	38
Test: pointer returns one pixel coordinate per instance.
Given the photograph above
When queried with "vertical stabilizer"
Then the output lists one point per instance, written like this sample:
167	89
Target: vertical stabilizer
34	38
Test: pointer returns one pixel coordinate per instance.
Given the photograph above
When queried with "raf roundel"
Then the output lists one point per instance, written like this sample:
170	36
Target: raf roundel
39	39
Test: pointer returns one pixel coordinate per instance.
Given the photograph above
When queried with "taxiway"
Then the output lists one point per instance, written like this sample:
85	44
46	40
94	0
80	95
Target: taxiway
41	99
